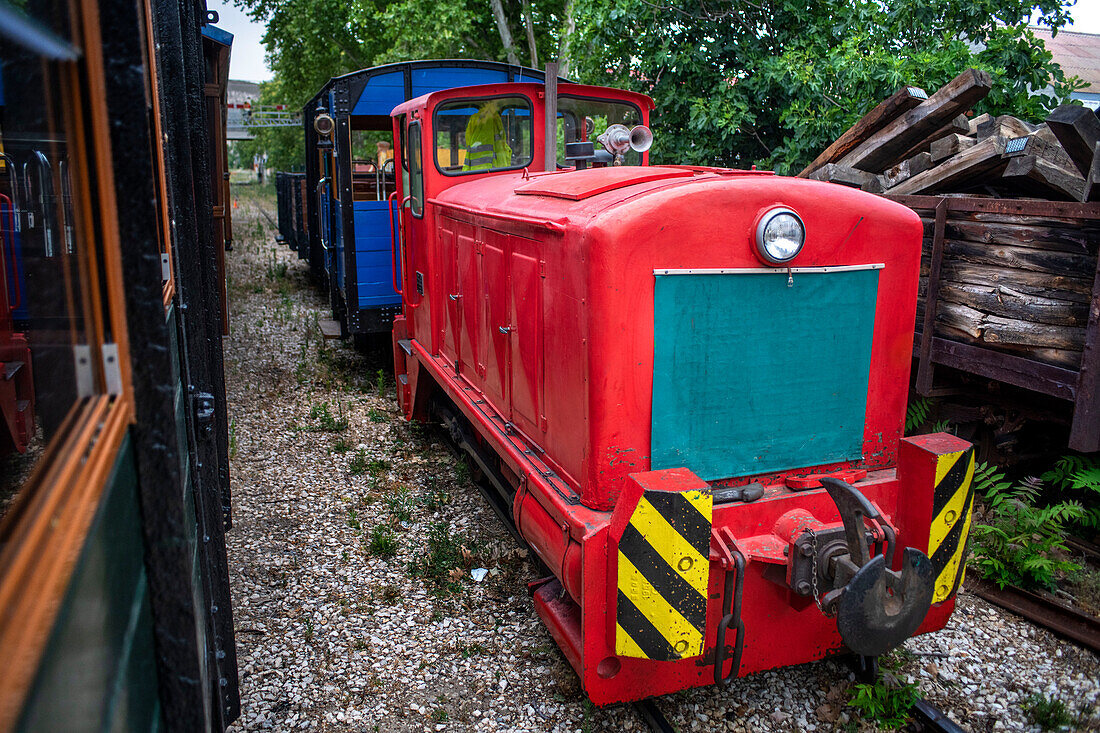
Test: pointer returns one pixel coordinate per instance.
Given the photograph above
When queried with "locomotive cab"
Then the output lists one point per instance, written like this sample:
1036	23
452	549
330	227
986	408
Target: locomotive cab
685	385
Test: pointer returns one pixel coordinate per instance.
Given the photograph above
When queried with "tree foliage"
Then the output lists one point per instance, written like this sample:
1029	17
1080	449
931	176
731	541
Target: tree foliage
735	82
774	83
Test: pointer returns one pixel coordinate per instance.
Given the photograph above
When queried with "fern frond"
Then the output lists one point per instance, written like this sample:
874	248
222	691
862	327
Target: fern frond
989	480
917	413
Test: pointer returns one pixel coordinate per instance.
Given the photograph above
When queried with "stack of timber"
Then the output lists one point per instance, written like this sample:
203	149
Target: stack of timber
1010	284
916	144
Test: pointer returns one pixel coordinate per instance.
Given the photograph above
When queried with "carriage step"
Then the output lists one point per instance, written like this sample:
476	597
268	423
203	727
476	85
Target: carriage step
406	346
330	329
11	368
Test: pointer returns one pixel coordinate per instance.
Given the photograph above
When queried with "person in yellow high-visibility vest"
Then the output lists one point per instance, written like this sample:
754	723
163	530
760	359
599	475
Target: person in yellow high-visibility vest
486	146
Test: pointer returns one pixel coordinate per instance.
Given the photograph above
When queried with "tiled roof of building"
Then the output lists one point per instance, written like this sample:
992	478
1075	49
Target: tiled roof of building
1077	53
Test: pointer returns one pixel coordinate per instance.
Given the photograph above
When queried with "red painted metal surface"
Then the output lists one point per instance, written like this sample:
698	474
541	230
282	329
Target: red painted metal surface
536	322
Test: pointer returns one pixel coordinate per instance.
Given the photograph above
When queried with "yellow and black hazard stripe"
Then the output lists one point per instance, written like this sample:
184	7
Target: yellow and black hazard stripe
952	501
664	567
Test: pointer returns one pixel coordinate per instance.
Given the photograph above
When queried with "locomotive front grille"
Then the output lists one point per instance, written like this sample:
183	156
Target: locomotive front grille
744	383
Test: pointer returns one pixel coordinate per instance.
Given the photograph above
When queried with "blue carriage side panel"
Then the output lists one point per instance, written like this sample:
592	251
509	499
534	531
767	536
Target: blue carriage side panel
374	254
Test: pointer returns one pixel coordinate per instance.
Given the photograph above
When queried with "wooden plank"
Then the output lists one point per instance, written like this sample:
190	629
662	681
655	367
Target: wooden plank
1084	433
1059	238
842	175
1008	368
991	329
925	367
1092	181
958	126
1078	129
975	122
945	147
999	300
1071	290
1040	177
1011	207
906	169
896	104
886	146
1005	126
1022	258
982	159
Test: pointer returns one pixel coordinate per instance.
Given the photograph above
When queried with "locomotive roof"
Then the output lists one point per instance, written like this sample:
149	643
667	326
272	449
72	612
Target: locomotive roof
568	88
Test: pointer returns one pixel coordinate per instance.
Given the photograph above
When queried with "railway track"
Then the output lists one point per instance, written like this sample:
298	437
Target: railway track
926	716
1059	618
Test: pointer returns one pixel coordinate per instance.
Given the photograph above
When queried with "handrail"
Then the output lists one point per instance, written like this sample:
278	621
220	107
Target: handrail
10	238
320	211
395	237
13	174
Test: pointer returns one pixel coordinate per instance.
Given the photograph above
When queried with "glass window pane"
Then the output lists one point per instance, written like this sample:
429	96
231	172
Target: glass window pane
44	246
474	135
416	171
581	119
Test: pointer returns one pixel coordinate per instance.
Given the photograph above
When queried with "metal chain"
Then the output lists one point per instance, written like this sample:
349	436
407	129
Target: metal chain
813	580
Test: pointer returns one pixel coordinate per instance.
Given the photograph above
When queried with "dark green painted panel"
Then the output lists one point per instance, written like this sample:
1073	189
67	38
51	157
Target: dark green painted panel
135	706
752	374
102	635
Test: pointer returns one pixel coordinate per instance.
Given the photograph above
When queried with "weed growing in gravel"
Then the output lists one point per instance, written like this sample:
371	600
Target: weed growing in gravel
357	466
375	416
1050	713
439	715
276	270
309	630
472	650
353	520
326	421
438	497
380	382
383	542
399	503
376	467
886	702
341	446
443	557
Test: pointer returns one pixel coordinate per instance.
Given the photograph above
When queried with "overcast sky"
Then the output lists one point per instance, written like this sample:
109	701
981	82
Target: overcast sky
247	58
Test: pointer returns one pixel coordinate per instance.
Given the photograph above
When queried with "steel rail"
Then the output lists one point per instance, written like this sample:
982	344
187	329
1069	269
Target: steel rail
652	716
1059	618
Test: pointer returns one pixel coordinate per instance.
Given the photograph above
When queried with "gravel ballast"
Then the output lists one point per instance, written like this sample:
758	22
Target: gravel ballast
334	633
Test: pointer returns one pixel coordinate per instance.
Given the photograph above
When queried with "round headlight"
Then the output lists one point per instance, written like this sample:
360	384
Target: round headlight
780	236
324	124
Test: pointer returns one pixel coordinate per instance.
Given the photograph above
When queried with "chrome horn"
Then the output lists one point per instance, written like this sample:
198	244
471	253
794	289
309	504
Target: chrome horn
618	140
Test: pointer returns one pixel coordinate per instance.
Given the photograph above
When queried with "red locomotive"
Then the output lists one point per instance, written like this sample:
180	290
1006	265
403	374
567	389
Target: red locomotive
685	386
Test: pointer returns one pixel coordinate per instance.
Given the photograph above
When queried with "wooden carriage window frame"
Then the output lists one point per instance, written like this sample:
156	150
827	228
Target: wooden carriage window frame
159	161
44	532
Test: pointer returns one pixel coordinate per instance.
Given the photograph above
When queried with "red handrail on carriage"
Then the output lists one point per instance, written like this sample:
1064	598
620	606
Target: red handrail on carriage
10	238
396	236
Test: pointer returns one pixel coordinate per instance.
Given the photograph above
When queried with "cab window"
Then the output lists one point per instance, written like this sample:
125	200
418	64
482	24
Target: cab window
583	119
416	171
478	135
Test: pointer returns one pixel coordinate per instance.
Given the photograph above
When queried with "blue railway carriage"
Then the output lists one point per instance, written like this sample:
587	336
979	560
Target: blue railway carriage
350	180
